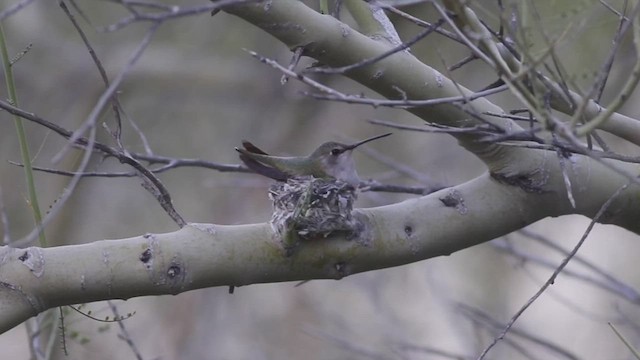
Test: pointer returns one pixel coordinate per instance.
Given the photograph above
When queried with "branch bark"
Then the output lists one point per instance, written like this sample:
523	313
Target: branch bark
205	255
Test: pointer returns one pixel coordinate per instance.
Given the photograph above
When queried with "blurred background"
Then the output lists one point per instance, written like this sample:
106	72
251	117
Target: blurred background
195	93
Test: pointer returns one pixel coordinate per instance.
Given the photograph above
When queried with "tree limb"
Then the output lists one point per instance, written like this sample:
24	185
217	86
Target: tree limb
205	255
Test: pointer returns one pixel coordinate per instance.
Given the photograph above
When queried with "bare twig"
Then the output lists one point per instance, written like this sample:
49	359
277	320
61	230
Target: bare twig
115	104
63	334
14	9
373	185
610	283
125	336
462	62
295	59
564	168
166	12
555	274
88	314
607	283
174	164
22	53
418	21
109	92
484	318
436	128
169	162
395	49
122	157
406	104
300	77
335	95
529	135
150	181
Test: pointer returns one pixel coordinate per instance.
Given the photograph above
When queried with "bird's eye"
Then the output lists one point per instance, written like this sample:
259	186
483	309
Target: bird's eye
335	152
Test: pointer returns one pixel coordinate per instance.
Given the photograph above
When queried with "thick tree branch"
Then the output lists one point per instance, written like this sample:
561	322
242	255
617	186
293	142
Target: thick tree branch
399	76
204	255
402	76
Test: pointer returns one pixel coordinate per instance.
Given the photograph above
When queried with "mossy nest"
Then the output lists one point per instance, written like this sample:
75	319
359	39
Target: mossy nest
307	208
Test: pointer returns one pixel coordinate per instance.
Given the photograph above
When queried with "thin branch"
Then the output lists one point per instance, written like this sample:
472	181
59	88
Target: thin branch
365	62
462	62
418	21
125	336
373	185
14	9
167	12
555	274
68	191
370	185
562	161
115	103
122	157
300	77
610	282
295	59
63	335
607	283
605	71
149	180
109	92
88	315
435	128
176	163
481	316
529	135
170	163
406	104
335	95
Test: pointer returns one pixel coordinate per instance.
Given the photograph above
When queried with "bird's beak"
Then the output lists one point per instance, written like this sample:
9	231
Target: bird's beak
353	146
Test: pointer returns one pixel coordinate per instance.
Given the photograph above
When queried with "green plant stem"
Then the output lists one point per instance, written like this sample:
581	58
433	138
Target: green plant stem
324	7
363	15
22	139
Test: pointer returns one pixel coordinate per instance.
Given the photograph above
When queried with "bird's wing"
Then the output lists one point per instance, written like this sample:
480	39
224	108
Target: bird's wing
252	148
257	166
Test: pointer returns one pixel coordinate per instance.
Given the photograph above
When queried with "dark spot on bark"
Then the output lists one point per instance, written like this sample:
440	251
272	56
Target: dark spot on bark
525	182
455	200
449	201
173	271
342	270
24	256
145	256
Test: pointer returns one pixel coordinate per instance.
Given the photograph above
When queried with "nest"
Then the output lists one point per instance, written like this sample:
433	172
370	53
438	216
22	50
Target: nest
306	208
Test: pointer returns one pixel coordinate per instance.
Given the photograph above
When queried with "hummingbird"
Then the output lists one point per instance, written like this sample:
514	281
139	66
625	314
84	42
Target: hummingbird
330	160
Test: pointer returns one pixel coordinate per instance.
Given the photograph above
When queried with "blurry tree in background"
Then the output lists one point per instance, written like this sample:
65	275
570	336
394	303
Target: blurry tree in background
101	96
